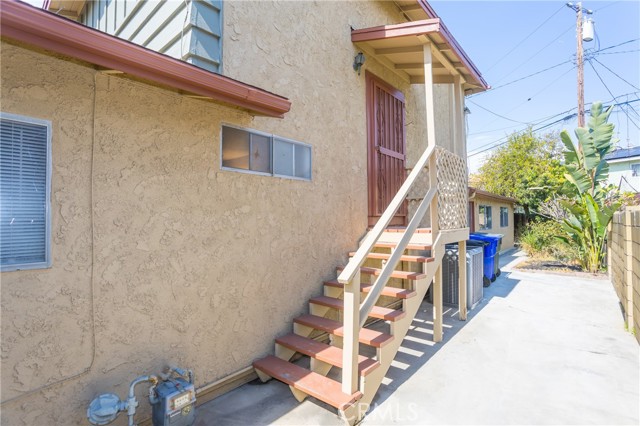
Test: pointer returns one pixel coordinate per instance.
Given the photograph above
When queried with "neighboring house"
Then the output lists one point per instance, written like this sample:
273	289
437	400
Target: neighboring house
493	214
155	212
624	168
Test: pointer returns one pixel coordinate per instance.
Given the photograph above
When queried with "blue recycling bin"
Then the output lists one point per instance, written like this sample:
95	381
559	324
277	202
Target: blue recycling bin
496	263
489	253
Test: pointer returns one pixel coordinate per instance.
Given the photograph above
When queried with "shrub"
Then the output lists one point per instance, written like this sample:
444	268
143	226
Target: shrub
539	240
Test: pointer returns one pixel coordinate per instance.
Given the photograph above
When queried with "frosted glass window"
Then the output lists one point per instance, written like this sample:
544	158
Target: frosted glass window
265	154
260	159
25	184
283	158
303	161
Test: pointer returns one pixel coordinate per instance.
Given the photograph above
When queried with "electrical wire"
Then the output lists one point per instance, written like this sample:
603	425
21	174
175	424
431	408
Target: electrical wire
611	93
526	100
536	54
93	262
616	74
496	114
525	39
499	142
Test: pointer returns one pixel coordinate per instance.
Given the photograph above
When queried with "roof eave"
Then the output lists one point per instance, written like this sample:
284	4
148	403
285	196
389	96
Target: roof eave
42	29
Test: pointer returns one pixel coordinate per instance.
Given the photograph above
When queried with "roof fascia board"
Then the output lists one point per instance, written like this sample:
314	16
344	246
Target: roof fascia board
42	29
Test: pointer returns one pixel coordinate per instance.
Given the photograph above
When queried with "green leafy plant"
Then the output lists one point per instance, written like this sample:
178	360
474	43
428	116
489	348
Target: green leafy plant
539	240
589	207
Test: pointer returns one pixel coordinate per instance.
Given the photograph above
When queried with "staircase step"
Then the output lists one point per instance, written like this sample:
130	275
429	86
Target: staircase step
410	246
400	293
367	336
314	384
376	312
404	258
403	228
405	275
325	353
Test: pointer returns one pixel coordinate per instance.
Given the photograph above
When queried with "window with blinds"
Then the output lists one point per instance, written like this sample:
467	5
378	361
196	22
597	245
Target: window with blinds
25	182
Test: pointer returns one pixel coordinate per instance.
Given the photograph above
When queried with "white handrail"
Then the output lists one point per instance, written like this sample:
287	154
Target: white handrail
390	266
367	245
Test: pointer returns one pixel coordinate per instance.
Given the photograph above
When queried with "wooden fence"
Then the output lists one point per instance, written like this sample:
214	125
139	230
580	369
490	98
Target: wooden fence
623	256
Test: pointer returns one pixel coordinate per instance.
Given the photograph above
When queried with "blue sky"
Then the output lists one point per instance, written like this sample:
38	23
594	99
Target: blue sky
508	40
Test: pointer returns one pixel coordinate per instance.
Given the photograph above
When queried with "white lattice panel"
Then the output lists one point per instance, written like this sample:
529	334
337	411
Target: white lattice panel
453	196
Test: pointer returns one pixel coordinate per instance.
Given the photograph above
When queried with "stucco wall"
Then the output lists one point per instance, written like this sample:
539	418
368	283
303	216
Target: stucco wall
190	262
507	231
158	255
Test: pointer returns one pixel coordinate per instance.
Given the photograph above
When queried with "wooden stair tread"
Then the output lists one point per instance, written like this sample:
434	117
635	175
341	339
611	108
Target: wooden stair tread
410	246
314	384
402	229
376	312
405	275
403	258
367	336
325	353
400	293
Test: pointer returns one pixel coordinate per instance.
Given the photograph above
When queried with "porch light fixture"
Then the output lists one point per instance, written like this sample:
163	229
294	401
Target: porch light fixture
358	61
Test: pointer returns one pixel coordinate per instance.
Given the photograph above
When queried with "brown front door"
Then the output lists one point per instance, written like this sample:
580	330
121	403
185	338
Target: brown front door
386	148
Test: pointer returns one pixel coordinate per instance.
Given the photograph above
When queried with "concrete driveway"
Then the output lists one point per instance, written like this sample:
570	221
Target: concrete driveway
540	349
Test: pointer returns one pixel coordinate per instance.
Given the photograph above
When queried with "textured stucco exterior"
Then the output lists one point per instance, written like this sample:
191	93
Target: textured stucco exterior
507	231
159	257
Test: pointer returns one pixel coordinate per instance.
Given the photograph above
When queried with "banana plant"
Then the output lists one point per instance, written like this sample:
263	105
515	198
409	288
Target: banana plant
588	214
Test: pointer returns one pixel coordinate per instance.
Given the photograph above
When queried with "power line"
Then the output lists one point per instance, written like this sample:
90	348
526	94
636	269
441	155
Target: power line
525	101
525	39
616	74
496	114
622	51
588	53
608	90
504	139
537	53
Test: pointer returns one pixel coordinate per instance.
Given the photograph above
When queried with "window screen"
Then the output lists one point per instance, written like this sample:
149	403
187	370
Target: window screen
24	192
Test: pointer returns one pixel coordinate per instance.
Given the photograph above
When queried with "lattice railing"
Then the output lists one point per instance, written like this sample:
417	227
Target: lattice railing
453	195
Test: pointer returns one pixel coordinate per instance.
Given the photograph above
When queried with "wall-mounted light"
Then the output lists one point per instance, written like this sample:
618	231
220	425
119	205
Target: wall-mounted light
467	110
358	61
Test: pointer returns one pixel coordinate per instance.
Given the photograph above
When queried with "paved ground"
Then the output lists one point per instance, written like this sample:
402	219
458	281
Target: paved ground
540	349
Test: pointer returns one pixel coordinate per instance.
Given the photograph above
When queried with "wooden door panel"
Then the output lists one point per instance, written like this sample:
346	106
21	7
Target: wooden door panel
386	148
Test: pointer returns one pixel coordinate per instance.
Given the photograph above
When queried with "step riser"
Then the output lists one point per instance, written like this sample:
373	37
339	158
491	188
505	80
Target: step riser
372	382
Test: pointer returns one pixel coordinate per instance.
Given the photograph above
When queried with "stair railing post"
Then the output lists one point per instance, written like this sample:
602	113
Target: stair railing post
435	230
350	341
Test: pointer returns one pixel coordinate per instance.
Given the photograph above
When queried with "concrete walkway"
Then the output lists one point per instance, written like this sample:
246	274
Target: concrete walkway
540	349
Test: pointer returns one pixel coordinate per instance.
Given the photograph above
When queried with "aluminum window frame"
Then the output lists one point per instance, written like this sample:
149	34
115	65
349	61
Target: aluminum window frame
488	224
505	211
272	138
48	262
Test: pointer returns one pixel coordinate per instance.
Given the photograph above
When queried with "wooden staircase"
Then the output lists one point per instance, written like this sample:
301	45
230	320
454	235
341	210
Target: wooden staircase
400	266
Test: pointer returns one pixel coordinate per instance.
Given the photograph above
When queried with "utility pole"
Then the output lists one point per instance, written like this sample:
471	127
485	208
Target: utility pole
577	7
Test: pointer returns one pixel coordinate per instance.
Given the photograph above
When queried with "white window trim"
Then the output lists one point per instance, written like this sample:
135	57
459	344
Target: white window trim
271	136
48	261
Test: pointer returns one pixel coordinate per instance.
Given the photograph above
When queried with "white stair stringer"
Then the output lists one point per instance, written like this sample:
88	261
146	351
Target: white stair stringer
370	384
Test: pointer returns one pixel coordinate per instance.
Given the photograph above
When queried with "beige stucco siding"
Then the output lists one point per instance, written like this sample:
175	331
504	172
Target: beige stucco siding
158	255
190	263
507	231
